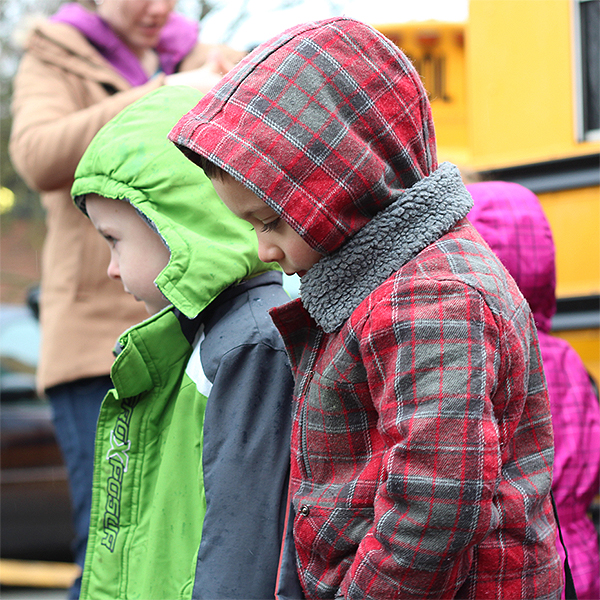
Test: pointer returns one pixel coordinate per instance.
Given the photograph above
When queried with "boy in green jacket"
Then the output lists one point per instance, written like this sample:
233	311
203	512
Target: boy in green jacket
192	447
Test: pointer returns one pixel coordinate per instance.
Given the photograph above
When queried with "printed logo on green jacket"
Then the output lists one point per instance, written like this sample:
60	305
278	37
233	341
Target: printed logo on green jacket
118	458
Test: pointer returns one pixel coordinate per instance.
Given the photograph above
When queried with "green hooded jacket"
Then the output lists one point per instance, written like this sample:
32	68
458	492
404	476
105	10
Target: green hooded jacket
192	446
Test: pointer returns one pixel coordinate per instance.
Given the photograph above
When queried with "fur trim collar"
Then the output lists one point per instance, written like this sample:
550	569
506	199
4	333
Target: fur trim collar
335	286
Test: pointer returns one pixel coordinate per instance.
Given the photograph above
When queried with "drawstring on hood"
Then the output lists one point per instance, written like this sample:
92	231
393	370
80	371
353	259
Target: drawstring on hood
317	129
131	159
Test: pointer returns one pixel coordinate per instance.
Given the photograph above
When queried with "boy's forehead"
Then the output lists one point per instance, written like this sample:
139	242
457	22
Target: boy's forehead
95	202
109	209
103	202
94	197
240	199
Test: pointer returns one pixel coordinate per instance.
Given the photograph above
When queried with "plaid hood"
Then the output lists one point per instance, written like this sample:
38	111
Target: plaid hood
510	219
327	123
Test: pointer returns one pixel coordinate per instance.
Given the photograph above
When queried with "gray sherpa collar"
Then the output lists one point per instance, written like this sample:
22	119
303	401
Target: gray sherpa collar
334	287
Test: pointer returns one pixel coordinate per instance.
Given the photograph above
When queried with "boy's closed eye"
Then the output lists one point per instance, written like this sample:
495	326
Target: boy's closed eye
271	225
137	253
109	238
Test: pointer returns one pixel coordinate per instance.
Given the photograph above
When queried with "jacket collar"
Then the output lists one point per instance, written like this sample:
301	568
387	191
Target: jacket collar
190	327
178	37
64	46
335	286
214	311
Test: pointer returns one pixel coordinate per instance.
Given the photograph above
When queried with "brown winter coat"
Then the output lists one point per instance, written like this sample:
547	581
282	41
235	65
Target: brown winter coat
64	92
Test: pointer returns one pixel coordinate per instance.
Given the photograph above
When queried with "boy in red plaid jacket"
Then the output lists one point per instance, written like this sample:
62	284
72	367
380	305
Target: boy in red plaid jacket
422	446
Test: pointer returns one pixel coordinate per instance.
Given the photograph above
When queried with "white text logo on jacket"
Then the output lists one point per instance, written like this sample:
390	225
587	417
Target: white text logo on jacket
118	458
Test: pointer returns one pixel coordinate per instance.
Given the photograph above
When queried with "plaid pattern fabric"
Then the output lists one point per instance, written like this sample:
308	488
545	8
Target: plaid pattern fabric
510	218
327	123
422	437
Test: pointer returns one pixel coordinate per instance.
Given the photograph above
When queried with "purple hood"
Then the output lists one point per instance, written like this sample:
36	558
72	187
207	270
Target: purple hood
511	220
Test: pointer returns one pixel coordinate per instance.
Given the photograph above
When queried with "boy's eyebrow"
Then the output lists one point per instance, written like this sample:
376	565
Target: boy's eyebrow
250	213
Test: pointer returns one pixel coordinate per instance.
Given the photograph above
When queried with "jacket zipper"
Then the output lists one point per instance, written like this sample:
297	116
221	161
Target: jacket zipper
302	425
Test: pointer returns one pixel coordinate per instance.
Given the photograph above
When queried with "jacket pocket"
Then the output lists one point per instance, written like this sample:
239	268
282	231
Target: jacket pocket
326	541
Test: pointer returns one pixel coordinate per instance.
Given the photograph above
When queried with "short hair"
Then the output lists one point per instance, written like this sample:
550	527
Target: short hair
211	170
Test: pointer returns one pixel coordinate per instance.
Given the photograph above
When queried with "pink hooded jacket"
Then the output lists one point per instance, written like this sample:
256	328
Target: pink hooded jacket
511	220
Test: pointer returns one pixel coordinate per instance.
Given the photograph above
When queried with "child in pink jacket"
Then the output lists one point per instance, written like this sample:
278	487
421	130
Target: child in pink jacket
511	220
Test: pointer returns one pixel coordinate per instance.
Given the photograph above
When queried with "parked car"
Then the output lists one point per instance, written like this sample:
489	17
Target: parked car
35	513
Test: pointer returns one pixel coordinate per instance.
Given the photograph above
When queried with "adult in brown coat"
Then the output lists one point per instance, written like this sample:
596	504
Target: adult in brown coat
80	69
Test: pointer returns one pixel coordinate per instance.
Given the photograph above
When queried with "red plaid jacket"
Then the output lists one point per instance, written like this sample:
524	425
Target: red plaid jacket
422	445
422	437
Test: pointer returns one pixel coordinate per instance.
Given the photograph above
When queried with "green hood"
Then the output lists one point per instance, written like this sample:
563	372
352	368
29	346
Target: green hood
131	159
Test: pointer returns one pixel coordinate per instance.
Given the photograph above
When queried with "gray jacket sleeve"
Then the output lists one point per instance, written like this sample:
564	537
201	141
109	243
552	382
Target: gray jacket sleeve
246	469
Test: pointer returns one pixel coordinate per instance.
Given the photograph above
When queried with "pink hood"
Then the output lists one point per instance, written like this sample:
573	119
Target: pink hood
511	220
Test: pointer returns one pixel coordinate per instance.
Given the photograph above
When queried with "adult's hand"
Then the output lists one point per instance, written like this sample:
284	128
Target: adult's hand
205	77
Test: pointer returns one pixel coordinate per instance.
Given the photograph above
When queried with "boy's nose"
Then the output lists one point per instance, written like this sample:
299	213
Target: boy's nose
113	269
268	252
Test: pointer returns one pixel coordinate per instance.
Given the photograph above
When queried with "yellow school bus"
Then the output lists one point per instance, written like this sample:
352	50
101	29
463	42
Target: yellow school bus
514	95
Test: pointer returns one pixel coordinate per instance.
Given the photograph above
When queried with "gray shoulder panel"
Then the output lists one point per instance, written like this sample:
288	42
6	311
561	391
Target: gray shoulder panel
246	451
